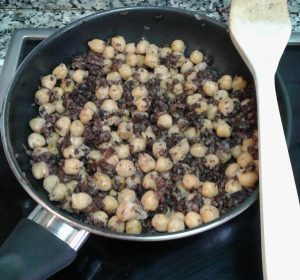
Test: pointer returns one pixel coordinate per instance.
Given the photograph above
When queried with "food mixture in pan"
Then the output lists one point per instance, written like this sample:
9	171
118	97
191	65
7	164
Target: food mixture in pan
139	138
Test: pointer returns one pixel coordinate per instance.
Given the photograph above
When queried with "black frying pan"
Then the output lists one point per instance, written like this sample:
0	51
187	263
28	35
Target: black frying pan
32	251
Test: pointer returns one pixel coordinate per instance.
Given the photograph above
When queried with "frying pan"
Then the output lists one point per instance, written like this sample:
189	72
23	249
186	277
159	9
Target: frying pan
48	239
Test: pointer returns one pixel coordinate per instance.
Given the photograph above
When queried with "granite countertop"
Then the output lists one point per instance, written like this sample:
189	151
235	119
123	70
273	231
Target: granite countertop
57	13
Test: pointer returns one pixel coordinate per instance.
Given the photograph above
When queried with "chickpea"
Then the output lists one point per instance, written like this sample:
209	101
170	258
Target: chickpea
152	49
145	162
112	160
102	92
223	130
72	166
200	67
163	164
125	168
123	151
126	196
113	77
233	186
36	140
142	104
174	129
160	222
127	211
115	92
60	71
225	82
178	46
73	152
187	66
211	161
42	96
110	204
81	200
130	48
238	83
193	99
37	124
164	52
142	75
148	133
116	225
76	128
110	106
210	88
132	60
149	181
125	130
139	92
71	186
159	148
232	170
165	121
96	45
246	143
134	227
175	225
59	107
211	111
190	87
244	159
226	106
206	125
108	52
221	95
190	181
201	108
192	219
79	75
40	170
118	43
236	151
59	192
209	189
161	71
76	141
39	151
106	66
149	201
67	85
53	138
196	57
198	150
142	46
94	155
58	92
99	217
48	81
62	126
46	109
248	179
125	71
102	181
190	133
50	182
177	153
178	89
137	144
151	60
209	213
192	76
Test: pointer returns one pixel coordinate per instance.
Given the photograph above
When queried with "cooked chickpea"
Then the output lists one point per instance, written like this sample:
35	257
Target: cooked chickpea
48	81
125	168
40	170
149	201
127	211
125	130
42	96
190	87
178	46
94	155
50	182
126	196
163	52
102	92
193	99
39	151
142	46
244	159
209	189
71	186
233	186
179	152
236	151
110	204
190	181
73	152
37	124
210	88
142	75
159	148
211	161
123	151
163	164
196	57
59	107
60	71
52	138
165	121
102	181
79	75
198	150
223	130
76	141
209	213
178	89
248	179
137	144
190	133
115	92
110	106
151	60
149	180
96	45
36	140
67	85
211	111
139	91
130	48
187	66
238	83
175	225
62	126
132	59
72	166
99	217
202	107
225	82
145	162
232	170
59	192
116	225
133	227
142	104
152	49
192	219
221	95
226	106
148	133
113	77
46	109
161	71
58	92
125	71
76	128
108	52
200	67
118	43
160	222
81	200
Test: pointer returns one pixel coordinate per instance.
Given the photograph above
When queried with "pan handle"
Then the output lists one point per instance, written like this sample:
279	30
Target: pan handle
39	246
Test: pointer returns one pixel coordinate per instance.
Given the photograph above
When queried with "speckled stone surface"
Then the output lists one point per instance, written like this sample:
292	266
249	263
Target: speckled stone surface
50	13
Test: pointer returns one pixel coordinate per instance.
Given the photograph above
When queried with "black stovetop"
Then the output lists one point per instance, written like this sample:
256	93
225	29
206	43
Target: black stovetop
230	251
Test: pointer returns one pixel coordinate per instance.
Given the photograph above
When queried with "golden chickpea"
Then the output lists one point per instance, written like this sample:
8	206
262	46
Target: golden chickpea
211	161
209	213
139	91
72	166
209	189
59	192
198	150
110	106
236	151
116	225
125	71
149	180
159	148
225	82
190	87
40	170
178	89
81	200
126	196
125	130
190	133
187	66
48	81
142	75
221	95
246	143
232	170
202	107
233	186
192	219
178	46
190	181
151	60
211	111
123	151
59	107
73	152
127	211
145	162
102	181
42	96
160	222
177	153
149	201
142	104
50	182
118	43
125	168
175	225
96	45
46	109
36	140
102	92
248	179
142	46
137	144
165	121
132	60
163	52
108	52
244	159
238	83
110	204
76	128
99	217
62	126
79	75
223	130
60	71
163	164
210	88
226	106
134	227
196	57
113	77
130	48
